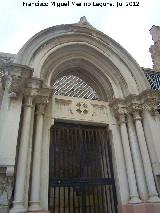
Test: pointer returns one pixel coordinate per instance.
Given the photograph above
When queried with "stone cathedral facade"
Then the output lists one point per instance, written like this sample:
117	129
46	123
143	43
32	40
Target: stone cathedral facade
79	125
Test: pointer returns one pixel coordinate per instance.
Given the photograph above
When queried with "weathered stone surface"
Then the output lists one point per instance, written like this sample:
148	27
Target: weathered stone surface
6	187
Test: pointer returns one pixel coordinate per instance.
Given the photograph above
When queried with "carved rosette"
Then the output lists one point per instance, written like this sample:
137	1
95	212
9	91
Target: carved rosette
82	108
15	79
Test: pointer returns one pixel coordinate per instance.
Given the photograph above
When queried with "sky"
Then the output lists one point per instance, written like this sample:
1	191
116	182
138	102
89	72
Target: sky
128	25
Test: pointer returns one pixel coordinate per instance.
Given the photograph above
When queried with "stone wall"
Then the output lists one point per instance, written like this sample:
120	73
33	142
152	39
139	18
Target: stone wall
6	187
5	58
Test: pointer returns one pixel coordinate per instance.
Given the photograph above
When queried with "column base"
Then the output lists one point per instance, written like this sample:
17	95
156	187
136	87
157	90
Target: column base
3	209
18	208
34	206
134	200
140	208
154	199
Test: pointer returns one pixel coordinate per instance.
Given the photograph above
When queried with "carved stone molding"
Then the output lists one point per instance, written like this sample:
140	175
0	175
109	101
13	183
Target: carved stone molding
79	109
15	78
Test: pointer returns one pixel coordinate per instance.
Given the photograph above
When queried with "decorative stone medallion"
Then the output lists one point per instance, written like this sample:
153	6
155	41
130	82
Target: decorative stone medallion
82	108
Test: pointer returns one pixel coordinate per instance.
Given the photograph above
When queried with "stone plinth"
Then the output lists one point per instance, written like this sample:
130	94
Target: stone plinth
140	208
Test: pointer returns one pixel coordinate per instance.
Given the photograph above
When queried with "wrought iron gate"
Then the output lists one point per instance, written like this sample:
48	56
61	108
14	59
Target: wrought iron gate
81	173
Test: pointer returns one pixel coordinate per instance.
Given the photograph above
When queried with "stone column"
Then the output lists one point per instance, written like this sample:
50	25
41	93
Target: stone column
120	114
141	182
36	167
18	203
153	195
151	125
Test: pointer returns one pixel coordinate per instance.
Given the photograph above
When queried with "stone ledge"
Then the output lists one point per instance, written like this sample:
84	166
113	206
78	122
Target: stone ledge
140	208
43	211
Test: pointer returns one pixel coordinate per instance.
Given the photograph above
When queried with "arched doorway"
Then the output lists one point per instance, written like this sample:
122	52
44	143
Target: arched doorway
81	172
124	93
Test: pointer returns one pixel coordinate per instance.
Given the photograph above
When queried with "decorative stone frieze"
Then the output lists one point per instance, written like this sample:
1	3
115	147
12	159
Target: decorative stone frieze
15	78
79	109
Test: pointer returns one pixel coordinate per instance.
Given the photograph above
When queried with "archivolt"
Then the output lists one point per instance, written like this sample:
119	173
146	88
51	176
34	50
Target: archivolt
88	52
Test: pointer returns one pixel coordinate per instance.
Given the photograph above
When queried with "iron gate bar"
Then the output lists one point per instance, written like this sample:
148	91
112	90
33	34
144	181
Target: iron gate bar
72	182
81	169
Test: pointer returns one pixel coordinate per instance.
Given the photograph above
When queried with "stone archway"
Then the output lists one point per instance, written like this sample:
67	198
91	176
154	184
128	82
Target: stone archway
127	105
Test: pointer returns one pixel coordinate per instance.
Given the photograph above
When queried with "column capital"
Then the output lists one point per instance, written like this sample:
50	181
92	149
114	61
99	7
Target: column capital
39	94
43	96
150	100
40	107
135	109
28	101
15	78
134	106
42	99
119	109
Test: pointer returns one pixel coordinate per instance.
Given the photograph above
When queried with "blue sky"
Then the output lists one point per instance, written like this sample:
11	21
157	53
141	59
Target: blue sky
129	26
